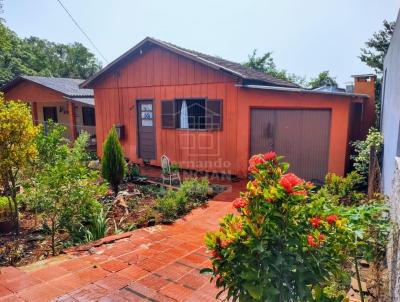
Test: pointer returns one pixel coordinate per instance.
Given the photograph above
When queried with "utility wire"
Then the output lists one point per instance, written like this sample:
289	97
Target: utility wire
81	29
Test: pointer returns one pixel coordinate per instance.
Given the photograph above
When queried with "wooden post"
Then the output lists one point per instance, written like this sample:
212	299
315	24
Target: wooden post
35	117
72	120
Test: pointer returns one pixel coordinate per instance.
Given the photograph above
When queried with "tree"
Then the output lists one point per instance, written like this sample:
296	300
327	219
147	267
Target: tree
17	149
376	47
323	79
266	64
64	190
35	56
113	164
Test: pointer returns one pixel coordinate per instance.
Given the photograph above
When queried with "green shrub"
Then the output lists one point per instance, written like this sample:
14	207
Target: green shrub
195	189
343	190
113	164
133	171
168	207
97	227
64	192
289	243
175	167
362	151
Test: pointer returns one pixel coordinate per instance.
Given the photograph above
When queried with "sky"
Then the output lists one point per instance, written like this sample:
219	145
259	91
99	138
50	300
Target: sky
306	37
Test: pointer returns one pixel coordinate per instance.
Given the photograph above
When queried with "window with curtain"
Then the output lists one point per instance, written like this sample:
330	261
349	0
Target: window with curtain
192	114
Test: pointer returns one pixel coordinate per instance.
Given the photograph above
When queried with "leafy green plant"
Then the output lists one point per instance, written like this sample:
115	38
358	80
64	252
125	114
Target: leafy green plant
343	190
97	227
17	149
175	167
283	245
64	192
362	151
113	164
133	171
168	207
196	189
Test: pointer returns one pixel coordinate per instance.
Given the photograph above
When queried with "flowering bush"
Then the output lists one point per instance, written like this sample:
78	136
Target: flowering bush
283	245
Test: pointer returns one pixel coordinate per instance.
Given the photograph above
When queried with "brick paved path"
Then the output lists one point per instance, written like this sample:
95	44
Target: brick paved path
160	263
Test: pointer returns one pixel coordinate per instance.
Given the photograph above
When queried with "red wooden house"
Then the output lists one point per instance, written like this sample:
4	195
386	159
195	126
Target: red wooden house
210	114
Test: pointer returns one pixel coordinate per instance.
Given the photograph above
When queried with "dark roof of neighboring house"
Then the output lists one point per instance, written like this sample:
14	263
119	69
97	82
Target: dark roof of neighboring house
67	86
233	68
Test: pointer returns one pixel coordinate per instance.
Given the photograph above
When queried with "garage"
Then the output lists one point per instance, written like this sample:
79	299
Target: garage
301	135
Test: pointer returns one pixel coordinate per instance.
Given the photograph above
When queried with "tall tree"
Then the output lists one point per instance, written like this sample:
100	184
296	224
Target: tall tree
266	64
376	47
17	149
323	79
35	56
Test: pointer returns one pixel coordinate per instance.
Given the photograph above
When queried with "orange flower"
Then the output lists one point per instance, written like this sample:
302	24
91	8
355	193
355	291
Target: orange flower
321	237
254	161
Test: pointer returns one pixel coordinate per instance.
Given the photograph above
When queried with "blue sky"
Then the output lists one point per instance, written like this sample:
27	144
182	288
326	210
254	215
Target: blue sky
305	37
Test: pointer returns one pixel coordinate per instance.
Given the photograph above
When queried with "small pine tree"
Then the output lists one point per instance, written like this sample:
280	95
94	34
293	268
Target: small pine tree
113	165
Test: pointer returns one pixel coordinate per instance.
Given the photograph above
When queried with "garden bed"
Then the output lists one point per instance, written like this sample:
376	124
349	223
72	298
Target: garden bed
134	207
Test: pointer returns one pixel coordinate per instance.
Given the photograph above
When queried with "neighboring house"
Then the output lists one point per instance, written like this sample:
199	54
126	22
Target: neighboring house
390	127
210	114
58	99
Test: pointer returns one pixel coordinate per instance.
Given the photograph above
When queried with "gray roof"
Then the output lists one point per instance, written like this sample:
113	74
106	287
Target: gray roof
83	100
330	88
67	86
243	72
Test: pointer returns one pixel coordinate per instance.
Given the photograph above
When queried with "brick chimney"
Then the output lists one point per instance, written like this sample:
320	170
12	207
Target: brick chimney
365	84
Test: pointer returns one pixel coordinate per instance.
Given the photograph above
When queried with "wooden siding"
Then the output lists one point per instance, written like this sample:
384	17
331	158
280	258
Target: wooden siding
158	74
31	92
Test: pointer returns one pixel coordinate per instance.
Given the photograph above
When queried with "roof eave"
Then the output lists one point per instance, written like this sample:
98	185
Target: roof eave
301	90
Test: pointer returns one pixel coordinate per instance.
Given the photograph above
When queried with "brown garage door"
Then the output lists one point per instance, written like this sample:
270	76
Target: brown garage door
301	135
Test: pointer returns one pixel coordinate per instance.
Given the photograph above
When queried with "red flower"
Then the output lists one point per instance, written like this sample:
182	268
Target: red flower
269	156
321	237
225	243
269	200
289	181
239	203
331	219
311	242
315	221
254	161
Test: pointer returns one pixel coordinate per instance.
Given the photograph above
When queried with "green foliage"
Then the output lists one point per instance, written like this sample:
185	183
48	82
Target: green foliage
168	206
64	191
97	227
343	190
113	164
289	243
35	56
175	167
376	47
266	64
133	171
362	151
195	189
4	205
176	203
323	79
17	148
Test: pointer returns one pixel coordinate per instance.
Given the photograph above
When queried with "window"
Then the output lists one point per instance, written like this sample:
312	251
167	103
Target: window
88	116
50	113
192	114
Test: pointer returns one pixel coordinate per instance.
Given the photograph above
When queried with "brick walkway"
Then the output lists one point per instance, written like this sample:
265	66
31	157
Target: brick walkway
160	263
